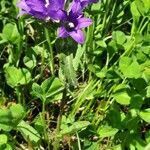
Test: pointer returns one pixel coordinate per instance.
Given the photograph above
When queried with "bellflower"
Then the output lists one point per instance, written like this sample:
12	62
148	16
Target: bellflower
55	9
71	26
83	4
41	9
73	22
36	8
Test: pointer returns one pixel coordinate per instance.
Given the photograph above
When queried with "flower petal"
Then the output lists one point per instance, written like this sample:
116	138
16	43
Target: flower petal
57	15
62	32
36	5
75	8
22	4
78	36
84	3
84	22
56	4
35	8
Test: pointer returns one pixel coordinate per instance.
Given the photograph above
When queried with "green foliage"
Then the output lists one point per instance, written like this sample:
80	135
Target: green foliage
28	132
121	94
10	117
49	91
67	69
130	68
4	145
145	115
107	131
74	127
10	33
16	77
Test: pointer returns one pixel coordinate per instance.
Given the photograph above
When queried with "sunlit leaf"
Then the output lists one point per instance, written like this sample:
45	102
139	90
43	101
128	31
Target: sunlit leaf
28	132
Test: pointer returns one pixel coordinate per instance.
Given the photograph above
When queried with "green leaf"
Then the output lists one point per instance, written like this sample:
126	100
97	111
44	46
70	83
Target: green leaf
136	16
95	7
10	33
147	147
78	56
38	50
119	37
146	74
10	117
17	112
134	10
147	136
121	94
143	6
76	126
28	132
39	123
88	145
145	115
3	139
16	77
148	91
136	101
30	61
107	131
130	68
6	147
68	70
54	89
139	84
101	43
50	90
140	6
37	91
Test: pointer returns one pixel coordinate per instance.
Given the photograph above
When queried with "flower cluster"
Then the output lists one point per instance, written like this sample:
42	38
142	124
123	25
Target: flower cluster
71	21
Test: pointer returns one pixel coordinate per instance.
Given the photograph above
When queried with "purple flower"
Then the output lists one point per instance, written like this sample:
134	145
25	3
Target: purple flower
36	8
81	4
41	9
73	22
84	3
55	9
71	26
70	23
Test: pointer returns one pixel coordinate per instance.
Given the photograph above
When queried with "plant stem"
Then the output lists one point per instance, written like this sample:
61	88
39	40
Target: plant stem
45	126
42	63
79	144
51	50
57	140
21	31
141	24
145	24
18	94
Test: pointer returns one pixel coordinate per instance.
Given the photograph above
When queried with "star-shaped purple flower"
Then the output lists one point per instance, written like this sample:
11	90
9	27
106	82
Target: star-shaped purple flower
72	25
73	22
